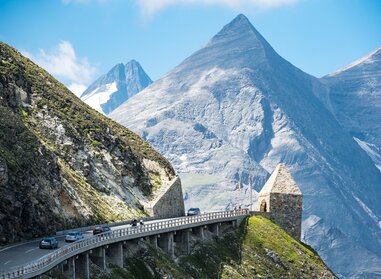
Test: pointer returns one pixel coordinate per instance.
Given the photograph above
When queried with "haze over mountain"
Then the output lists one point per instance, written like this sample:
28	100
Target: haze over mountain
236	108
112	89
354	98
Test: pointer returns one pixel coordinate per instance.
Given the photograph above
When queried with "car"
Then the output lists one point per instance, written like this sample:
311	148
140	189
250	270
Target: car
48	243
194	211
74	236
101	229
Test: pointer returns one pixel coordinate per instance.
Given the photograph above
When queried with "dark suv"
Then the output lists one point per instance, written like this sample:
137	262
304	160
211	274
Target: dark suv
101	229
49	243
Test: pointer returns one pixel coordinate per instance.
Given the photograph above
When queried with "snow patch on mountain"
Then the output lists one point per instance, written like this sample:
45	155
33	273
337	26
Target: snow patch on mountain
100	95
372	150
114	88
367	210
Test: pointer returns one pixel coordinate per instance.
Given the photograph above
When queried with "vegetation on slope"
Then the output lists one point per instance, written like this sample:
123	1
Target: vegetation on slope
63	164
258	249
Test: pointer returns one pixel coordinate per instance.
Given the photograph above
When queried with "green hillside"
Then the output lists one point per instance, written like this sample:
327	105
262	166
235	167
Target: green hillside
258	249
62	164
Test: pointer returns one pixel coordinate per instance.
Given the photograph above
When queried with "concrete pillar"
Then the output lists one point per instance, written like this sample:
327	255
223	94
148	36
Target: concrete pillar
215	229
60	267
234	223
98	256
185	241
166	243
153	240
70	271
82	266
115	252
199	232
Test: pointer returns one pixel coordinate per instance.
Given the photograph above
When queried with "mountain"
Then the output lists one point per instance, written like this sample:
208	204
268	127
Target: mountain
354	98
259	249
114	88
236	108
62	164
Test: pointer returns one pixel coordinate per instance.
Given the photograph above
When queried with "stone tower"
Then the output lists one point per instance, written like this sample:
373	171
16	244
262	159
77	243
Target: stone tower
283	199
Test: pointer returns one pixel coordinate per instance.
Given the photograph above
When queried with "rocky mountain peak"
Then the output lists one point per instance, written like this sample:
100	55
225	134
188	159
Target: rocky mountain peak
112	89
236	109
133	63
239	30
237	45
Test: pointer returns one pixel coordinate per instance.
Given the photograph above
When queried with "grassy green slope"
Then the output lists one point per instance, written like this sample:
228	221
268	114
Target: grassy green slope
258	249
85	122
63	164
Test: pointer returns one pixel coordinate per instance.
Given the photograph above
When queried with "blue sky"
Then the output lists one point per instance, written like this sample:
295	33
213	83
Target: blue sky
78	40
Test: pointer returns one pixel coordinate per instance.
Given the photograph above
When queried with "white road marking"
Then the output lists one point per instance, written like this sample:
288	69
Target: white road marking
30	250
7	262
16	245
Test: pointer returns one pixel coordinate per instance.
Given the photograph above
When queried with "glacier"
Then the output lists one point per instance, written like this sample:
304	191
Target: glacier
236	108
112	89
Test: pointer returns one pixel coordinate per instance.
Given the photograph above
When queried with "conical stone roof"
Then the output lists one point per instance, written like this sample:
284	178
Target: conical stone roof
280	181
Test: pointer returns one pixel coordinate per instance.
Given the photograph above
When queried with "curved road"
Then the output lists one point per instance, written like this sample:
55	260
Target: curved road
22	253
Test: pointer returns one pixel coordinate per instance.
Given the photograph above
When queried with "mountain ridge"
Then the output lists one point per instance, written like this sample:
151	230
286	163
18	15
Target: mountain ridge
233	110
112	89
354	98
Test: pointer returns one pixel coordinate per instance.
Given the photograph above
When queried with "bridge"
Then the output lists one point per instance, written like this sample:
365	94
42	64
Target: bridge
73	259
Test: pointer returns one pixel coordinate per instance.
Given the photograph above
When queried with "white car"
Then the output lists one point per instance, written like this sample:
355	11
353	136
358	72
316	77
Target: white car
194	211
74	236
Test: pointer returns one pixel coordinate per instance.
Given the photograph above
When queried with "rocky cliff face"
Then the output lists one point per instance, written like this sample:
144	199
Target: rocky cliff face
62	164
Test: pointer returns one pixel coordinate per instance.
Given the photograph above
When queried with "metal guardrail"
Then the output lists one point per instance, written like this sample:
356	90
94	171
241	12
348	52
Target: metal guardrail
90	228
47	262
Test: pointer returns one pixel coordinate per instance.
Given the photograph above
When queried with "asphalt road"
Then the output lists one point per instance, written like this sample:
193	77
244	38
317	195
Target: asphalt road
23	253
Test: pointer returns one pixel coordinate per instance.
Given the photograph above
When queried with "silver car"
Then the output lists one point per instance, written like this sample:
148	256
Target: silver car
194	211
74	236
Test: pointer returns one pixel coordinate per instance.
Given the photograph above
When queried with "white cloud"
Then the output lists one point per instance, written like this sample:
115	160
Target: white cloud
77	88
64	64
150	7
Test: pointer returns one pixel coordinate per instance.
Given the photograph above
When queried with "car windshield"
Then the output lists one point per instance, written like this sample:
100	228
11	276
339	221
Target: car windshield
72	233
47	240
98	228
193	209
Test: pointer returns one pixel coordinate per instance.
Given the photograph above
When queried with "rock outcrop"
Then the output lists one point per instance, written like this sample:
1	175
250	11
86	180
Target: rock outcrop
62	164
168	202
